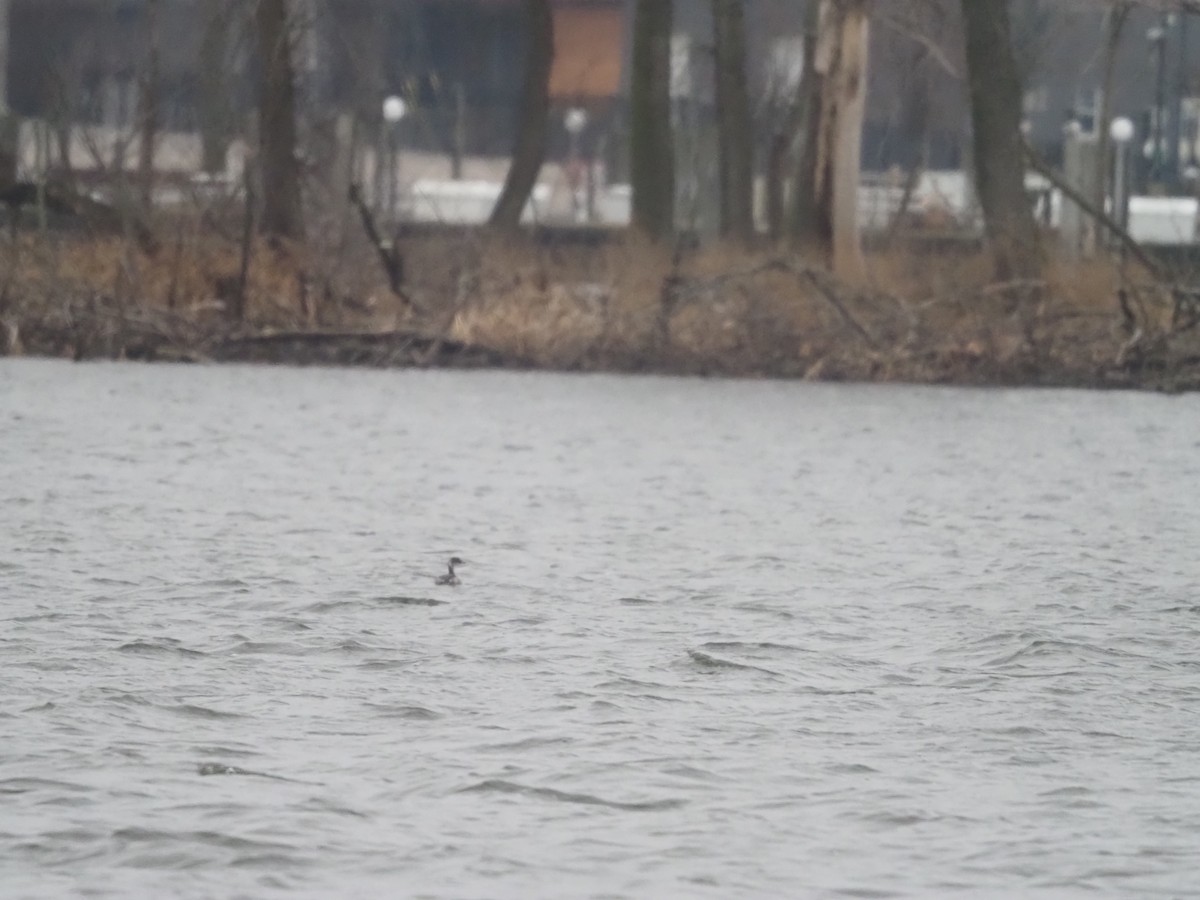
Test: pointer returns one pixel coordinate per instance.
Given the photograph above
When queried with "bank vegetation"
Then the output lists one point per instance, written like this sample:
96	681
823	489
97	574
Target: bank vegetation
291	264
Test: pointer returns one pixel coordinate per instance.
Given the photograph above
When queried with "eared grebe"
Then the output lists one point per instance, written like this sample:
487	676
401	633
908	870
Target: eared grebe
450	578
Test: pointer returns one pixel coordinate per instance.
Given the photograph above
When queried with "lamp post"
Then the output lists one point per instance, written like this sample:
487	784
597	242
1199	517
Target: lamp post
1157	36
1121	132
575	120
394	110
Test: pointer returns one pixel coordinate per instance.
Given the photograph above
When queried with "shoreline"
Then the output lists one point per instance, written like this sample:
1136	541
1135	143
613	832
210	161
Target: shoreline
415	350
486	303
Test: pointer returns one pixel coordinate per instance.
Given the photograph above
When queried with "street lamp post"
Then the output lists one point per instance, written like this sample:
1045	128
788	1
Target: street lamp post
394	110
575	121
1157	36
1121	132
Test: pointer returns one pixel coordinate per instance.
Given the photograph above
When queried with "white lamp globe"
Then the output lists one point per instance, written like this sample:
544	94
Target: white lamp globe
1121	130
394	109
575	120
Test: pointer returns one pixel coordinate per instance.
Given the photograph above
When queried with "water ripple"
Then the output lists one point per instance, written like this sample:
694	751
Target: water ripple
713	639
498	786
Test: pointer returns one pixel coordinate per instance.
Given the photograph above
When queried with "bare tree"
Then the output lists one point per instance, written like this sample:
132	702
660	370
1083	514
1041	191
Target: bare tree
4	5
652	150
804	228
734	134
530	150
8	149
216	112
835	86
995	92
1116	17
282	210
148	103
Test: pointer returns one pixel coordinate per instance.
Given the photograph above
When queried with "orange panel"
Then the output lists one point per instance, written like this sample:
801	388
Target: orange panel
587	53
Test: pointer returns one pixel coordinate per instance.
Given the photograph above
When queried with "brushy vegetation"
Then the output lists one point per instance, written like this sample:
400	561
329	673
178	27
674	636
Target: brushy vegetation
623	305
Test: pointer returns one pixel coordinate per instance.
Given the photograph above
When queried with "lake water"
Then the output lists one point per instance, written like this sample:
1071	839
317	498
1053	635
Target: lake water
714	639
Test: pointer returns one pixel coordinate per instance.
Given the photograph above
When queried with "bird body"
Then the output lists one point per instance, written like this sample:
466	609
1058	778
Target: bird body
450	579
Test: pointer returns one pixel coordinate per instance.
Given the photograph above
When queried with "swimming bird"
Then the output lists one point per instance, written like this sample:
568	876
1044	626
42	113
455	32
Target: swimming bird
450	578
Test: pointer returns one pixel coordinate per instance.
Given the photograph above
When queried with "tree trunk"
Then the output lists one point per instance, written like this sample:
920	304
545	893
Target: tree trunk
803	225
914	131
995	90
216	113
734	134
8	125
841	61
651	143
533	128
1115	26
148	112
282	212
4	4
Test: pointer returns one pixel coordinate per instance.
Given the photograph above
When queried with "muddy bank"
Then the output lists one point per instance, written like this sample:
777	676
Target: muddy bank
95	327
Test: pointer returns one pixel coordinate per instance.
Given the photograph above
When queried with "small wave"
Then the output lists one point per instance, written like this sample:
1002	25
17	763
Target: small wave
1018	731
210	769
385	665
329	605
279	648
155	648
288	623
898	819
714	662
235	583
867	893
410	601
135	835
766	610
226	750
524	622
202	712
752	646
635	601
1043	648
273	862
1075	790
124	698
39	617
350	645
404	712
633	686
319	804
526	744
499	786
27	785
853	769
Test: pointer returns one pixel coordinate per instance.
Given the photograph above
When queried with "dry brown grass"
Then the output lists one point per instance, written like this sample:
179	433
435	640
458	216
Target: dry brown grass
617	305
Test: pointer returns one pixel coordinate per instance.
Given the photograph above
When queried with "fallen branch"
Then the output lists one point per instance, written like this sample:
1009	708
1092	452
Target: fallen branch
1099	215
389	255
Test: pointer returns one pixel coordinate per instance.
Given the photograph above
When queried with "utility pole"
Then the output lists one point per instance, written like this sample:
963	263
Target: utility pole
1157	36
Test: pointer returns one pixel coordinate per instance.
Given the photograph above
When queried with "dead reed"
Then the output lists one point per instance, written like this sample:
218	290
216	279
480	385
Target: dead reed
615	305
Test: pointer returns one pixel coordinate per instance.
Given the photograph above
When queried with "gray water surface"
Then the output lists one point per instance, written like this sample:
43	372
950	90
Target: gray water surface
714	639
